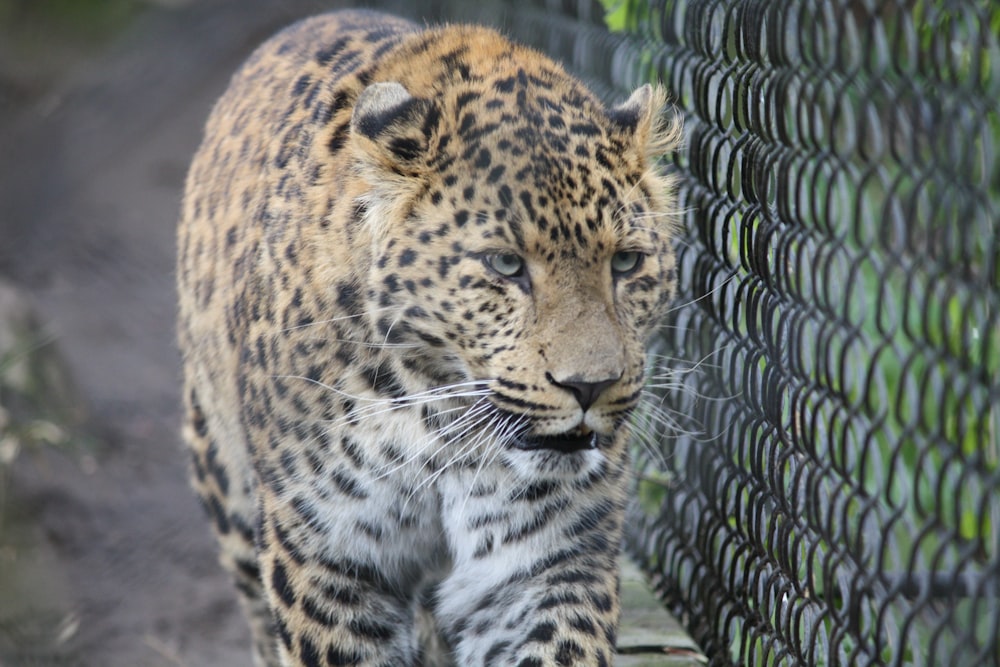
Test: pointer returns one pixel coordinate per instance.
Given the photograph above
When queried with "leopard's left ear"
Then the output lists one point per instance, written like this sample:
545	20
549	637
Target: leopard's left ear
392	126
642	116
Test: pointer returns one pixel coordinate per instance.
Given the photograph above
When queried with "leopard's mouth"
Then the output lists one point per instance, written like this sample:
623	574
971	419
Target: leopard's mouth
578	439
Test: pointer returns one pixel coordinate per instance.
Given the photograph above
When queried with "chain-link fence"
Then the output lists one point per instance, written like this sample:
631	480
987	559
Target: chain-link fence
823	486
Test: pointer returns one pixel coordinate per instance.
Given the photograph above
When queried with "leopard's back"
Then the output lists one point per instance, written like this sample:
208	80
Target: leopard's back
247	186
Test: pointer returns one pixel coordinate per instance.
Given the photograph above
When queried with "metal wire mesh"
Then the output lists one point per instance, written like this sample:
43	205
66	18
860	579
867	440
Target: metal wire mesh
824	487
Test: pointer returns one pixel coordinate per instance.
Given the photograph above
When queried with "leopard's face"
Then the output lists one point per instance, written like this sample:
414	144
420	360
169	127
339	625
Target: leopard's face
528	253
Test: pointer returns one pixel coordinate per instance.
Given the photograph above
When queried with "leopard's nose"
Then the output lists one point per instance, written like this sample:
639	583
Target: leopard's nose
586	392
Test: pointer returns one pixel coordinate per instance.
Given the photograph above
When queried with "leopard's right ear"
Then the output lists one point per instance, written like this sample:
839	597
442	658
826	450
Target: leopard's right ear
642	118
393	127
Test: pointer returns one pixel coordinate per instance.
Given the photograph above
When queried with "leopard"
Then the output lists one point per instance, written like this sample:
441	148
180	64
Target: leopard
418	271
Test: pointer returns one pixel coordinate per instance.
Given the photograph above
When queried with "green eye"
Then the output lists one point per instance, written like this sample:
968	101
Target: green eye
507	265
625	261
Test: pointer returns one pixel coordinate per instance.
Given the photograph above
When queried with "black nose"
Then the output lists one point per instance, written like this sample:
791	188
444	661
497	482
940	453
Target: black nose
585	392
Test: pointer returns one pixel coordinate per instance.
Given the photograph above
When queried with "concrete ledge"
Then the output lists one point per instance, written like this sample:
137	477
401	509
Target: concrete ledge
649	635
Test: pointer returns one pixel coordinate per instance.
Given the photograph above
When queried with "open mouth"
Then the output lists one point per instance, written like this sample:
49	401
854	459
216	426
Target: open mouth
567	443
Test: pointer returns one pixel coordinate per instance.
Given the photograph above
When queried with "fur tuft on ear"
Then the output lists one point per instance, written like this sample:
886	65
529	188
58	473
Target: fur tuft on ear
394	126
645	123
636	108
391	134
643	116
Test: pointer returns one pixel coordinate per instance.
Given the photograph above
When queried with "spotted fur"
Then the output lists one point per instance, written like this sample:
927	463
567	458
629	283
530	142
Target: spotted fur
417	270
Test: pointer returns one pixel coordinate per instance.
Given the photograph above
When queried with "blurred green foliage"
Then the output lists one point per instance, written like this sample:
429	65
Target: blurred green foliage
83	20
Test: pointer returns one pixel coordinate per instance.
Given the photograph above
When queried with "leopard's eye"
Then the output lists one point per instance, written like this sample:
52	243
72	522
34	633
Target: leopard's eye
507	265
624	262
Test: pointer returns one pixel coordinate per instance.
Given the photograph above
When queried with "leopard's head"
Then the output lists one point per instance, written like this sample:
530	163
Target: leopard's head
521	242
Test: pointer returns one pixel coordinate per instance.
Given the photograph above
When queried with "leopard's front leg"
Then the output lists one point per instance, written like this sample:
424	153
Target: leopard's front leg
341	572
535	578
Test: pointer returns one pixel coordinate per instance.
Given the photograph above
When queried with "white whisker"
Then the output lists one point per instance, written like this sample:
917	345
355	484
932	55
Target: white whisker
316	323
706	295
494	448
448	434
468	447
